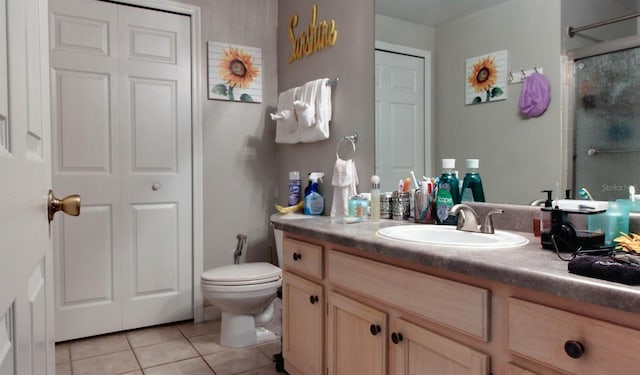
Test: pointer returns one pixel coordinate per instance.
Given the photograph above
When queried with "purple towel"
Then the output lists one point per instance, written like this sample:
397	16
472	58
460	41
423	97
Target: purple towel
536	95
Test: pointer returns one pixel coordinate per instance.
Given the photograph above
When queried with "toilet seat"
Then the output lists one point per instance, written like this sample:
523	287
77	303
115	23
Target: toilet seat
242	274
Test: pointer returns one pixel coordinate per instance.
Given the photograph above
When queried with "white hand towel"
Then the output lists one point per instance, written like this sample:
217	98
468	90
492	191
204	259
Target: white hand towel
344	181
305	106
320	130
286	121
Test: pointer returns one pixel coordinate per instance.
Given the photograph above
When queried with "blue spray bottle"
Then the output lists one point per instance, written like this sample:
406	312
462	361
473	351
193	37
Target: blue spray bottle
313	200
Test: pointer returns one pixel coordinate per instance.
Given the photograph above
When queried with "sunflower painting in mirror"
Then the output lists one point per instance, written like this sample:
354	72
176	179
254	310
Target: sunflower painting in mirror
486	78
234	72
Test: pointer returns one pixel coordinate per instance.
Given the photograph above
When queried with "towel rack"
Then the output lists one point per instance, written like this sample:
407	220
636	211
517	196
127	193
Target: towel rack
353	139
332	82
595	151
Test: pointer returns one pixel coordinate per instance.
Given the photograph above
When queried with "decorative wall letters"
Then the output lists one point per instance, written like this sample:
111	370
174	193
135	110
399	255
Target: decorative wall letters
316	37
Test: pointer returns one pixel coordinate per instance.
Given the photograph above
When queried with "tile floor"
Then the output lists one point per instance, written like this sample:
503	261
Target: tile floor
173	349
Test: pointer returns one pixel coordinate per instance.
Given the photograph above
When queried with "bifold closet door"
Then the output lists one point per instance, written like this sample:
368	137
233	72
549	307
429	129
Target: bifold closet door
121	139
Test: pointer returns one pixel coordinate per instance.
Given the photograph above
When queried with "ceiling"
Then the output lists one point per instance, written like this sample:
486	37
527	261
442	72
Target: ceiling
437	12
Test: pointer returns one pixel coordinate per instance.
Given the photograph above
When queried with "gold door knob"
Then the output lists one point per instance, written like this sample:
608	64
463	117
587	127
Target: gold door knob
69	205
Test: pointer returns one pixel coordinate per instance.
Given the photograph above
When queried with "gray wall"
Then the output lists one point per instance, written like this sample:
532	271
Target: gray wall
404	33
584	12
351	61
518	156
238	147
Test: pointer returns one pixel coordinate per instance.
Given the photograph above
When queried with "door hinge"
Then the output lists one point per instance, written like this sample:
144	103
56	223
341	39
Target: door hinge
327	303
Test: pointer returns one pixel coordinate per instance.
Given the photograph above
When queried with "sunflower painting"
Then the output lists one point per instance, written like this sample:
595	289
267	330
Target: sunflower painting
234	72
486	78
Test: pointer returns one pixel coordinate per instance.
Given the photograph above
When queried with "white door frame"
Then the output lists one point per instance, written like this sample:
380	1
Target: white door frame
426	55
193	12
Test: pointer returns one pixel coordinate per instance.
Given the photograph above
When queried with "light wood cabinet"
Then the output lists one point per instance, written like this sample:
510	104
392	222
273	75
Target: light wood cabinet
512	369
458	306
358	335
391	318
303	258
303	308
571	342
302	325
415	350
356	338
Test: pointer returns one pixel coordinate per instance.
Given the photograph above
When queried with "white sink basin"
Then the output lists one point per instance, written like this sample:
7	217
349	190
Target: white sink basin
440	235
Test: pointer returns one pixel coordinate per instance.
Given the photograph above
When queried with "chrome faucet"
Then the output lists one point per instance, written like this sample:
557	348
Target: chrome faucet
468	219
537	202
242	241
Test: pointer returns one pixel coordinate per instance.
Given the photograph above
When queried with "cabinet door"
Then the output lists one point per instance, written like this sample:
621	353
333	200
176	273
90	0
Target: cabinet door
416	350
356	338
302	329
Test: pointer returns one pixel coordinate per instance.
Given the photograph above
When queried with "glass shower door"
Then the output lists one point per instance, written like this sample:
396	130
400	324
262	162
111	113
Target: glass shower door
607	124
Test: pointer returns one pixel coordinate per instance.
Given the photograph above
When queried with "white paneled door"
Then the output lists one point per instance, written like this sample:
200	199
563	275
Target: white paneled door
400	118
121	117
26	260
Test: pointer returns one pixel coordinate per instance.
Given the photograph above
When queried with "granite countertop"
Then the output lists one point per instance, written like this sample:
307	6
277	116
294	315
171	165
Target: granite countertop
528	266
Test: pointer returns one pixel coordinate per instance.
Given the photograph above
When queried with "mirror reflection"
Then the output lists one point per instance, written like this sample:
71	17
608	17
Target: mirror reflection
422	49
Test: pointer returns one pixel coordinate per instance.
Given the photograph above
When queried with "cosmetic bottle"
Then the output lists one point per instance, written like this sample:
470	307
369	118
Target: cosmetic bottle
448	193
294	188
375	198
472	184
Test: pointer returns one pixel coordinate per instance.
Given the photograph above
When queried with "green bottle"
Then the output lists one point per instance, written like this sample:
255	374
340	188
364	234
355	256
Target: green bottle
472	184
448	193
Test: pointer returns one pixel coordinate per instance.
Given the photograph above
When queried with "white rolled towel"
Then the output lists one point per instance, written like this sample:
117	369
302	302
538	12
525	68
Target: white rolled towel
320	130
286	120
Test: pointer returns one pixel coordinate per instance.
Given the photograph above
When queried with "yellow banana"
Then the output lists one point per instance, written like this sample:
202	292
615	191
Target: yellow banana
286	210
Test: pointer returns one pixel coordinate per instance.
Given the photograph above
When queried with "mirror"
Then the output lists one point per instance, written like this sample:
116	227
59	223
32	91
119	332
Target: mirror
519	155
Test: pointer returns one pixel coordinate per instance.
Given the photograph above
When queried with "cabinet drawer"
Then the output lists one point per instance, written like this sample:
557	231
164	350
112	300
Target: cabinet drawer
512	369
303	257
541	333
462	307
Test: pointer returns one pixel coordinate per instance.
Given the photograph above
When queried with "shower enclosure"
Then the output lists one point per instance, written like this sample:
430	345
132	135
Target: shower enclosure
606	118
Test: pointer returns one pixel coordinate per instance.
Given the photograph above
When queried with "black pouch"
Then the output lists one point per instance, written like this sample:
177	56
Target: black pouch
605	268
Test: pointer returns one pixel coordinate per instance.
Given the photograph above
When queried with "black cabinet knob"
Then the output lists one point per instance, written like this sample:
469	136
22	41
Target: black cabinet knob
375	329
297	256
574	349
396	337
313	299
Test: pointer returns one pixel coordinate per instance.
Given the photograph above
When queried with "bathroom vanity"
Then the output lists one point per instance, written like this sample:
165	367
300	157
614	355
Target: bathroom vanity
355	303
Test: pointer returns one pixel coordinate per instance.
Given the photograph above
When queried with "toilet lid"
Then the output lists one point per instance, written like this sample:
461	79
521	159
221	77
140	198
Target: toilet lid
247	273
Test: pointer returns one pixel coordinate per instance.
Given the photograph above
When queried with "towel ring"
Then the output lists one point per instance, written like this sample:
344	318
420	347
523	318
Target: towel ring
353	145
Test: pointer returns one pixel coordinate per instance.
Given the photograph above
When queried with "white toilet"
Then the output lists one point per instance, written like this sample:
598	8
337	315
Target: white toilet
245	294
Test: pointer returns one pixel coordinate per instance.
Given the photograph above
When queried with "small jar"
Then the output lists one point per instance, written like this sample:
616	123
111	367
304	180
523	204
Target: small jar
385	205
400	205
354	202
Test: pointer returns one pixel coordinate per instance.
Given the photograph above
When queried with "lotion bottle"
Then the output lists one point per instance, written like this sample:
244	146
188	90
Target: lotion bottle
375	198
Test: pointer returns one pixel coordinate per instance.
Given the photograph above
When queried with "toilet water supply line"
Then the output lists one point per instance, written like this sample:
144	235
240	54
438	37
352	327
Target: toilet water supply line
242	242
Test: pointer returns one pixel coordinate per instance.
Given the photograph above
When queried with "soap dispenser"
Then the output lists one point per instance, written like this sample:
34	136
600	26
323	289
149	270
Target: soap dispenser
545	215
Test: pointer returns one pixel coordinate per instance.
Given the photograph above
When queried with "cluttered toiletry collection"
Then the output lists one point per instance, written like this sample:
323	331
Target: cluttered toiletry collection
425	201
562	225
